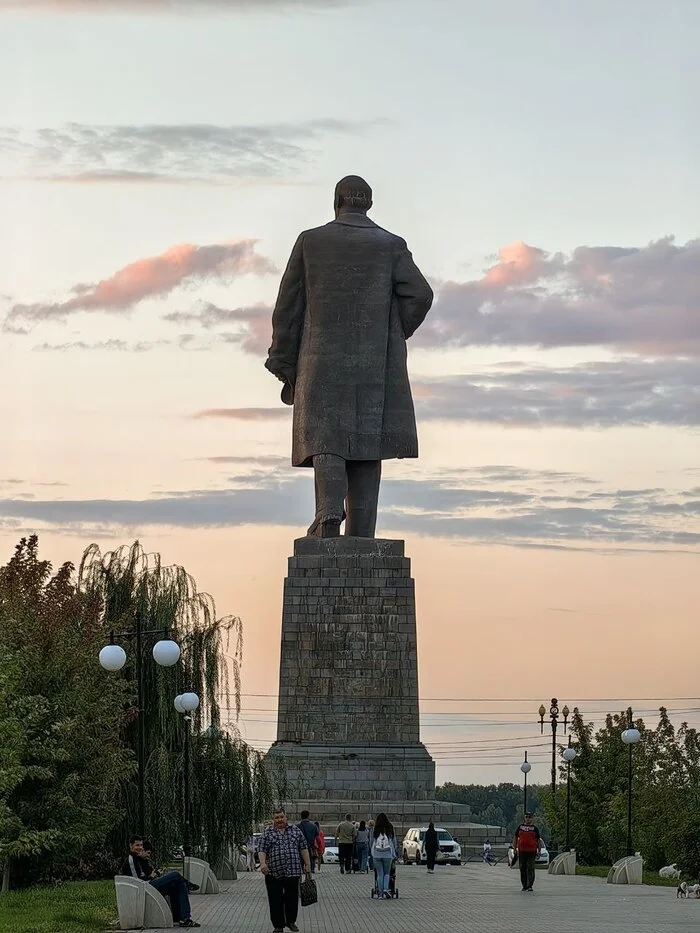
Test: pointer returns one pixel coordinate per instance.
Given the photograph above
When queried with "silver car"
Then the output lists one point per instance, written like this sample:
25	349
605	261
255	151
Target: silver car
449	851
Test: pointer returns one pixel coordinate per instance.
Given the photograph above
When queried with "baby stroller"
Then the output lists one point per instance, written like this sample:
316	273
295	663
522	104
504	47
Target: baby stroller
393	890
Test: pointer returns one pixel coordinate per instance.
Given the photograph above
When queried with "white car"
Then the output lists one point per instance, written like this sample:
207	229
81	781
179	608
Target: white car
450	851
542	858
330	854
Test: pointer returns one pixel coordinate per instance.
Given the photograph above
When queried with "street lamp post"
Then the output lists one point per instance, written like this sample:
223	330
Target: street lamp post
554	718
186	703
630	737
112	657
568	755
525	768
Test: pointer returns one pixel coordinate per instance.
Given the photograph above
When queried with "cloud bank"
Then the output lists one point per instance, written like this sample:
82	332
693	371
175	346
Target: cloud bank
162	153
185	265
171	6
541	509
634	299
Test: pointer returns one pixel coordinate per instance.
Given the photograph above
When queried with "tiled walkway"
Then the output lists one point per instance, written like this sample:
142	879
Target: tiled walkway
473	897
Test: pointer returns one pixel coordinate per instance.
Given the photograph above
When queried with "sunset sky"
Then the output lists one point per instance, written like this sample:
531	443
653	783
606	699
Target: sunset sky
157	161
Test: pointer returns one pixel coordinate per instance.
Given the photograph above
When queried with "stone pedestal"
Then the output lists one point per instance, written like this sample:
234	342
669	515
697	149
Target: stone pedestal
348	738
348	706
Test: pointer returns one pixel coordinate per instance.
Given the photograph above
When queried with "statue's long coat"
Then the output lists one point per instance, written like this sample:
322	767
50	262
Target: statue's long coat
349	299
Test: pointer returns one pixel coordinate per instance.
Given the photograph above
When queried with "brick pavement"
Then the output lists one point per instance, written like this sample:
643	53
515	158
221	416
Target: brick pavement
473	897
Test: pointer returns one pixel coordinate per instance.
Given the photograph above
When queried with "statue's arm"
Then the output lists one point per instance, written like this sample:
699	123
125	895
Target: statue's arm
288	318
414	295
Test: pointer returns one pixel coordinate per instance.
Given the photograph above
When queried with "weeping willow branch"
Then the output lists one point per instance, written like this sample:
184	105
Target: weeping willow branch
228	786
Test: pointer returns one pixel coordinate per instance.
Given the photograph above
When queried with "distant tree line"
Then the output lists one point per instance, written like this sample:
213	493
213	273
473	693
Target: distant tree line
68	728
499	804
666	795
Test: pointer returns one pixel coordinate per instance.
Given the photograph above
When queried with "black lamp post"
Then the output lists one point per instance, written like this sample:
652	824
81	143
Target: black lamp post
112	657
568	755
630	737
554	719
185	704
525	768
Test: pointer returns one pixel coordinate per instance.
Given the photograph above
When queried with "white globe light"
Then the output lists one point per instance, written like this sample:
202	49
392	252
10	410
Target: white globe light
177	703
166	653
189	701
631	736
525	767
112	657
569	753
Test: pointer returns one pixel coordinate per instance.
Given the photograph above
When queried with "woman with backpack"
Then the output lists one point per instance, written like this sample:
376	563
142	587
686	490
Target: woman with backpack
384	853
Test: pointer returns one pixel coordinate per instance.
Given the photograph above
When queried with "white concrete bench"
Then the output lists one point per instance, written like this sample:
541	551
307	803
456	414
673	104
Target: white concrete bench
199	872
627	870
140	905
563	864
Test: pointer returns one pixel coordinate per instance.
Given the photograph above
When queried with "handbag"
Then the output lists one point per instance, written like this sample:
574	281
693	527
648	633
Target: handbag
308	892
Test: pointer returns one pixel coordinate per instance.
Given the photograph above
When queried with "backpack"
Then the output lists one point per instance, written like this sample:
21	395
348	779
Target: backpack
382	843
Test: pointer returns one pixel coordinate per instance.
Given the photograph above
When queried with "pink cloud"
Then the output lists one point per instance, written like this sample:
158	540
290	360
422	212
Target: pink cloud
153	277
245	414
642	299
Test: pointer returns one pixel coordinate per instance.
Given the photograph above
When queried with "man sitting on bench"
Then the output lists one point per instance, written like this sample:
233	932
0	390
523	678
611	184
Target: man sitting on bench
171	884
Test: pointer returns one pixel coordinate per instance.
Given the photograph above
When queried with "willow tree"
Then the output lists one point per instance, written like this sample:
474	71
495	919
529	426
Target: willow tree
228	788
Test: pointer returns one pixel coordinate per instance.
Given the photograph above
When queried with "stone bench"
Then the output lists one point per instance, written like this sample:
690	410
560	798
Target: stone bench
199	872
563	864
627	870
139	905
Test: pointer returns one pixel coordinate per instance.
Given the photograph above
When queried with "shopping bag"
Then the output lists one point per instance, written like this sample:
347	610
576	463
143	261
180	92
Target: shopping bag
308	892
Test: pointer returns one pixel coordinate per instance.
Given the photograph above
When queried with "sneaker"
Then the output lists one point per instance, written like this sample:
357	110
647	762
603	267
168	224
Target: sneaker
293	927
189	923
529	889
278	930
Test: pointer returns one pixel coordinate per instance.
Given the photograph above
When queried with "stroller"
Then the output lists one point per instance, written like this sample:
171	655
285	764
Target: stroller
393	890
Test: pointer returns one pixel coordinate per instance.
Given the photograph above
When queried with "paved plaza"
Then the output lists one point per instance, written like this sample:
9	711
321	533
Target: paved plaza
473	897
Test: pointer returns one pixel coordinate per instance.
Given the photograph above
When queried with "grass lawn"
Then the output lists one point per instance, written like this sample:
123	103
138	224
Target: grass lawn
76	907
601	871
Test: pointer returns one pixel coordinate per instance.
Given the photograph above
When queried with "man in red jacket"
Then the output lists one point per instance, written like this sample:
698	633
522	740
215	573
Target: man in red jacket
526	843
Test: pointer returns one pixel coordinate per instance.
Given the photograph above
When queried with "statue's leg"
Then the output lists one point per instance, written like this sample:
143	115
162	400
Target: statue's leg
362	498
331	484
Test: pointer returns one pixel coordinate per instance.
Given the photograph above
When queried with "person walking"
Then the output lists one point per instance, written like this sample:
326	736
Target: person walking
432	846
282	851
384	853
362	847
527	844
320	845
310	831
250	853
370	828
345	839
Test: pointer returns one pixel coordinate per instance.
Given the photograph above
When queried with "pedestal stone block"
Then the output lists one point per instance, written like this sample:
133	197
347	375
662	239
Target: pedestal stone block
347	723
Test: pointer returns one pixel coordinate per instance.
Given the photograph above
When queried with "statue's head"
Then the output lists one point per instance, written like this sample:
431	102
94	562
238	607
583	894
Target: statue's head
352	195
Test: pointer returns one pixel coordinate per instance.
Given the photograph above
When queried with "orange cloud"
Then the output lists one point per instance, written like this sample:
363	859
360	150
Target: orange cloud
519	264
245	414
153	277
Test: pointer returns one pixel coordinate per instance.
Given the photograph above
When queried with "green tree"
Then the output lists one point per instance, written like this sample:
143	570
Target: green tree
63	760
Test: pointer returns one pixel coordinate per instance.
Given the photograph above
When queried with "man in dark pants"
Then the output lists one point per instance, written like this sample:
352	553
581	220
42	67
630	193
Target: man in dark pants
171	884
311	833
281	851
345	836
526	842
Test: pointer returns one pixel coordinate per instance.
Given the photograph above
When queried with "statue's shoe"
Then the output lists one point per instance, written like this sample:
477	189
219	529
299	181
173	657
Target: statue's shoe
325	528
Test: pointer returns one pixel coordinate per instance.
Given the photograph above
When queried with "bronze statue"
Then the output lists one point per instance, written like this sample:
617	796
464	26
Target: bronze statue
350	298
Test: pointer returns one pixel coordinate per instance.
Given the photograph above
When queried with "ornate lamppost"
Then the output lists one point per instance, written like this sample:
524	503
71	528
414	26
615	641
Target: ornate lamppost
112	657
185	704
630	737
554	719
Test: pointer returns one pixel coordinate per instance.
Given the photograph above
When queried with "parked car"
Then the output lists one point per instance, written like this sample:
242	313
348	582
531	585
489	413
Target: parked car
330	854
542	858
450	851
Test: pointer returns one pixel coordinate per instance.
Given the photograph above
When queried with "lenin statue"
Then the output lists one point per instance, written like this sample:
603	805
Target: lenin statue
350	298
